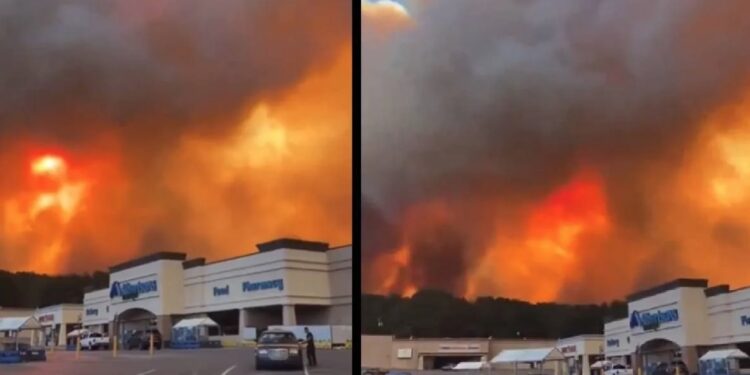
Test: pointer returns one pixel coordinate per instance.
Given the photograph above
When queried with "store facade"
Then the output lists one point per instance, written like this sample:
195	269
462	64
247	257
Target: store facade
287	282
57	321
617	346
581	352
388	352
679	321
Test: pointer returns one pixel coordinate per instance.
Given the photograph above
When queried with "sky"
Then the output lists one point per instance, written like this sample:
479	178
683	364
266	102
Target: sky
131	127
572	151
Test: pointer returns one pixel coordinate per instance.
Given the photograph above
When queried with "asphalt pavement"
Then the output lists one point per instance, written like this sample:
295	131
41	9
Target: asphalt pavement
227	361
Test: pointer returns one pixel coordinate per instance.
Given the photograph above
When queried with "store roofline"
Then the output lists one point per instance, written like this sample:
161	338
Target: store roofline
204	263
96	290
583	336
674	284
163	255
281	243
292	243
716	290
339	247
62	305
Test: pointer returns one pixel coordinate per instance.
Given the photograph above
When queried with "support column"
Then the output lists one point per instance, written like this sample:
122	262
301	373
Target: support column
242	324
289	316
62	338
585	365
690	357
164	325
638	363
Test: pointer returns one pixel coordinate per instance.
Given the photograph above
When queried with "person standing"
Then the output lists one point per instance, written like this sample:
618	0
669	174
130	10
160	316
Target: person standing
311	360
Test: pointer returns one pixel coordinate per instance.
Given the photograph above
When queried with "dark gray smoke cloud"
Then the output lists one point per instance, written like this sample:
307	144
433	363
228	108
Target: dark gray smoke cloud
186	62
504	101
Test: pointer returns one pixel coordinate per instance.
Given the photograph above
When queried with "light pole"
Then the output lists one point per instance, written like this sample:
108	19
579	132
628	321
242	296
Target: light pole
114	335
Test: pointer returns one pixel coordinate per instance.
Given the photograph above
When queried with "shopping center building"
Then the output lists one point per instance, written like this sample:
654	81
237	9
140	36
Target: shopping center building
679	320
56	321
287	282
387	352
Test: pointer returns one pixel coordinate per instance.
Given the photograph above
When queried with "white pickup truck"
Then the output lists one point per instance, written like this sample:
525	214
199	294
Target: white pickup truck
94	341
618	369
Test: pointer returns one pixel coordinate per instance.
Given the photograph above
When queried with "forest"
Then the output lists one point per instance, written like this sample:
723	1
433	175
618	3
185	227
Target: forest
31	290
432	313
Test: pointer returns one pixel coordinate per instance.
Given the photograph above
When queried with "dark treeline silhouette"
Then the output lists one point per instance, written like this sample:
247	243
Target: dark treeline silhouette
26	289
431	313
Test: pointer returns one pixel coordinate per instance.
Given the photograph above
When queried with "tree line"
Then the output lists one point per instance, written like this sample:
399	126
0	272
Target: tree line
432	313
31	290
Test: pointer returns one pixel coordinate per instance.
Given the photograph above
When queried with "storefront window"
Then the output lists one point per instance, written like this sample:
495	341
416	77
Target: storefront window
718	367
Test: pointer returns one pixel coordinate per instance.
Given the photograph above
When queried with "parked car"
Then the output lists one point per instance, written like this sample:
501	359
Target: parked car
94	341
448	367
618	369
141	340
664	368
278	348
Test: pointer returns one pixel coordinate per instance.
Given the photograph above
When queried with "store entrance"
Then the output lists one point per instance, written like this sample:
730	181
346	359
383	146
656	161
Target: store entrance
133	323
661	357
745	362
437	362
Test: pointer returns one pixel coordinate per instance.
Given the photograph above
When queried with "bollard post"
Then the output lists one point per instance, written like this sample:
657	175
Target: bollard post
78	347
114	347
151	345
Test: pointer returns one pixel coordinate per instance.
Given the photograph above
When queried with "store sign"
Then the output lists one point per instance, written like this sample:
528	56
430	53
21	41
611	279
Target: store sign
92	312
221	291
568	349
405	353
460	348
263	285
649	320
131	291
46	318
613	343
745	320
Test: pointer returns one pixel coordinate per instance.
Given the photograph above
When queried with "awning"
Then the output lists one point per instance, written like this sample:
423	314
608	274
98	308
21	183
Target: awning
18	324
195	322
601	364
470	366
528	355
78	332
724	354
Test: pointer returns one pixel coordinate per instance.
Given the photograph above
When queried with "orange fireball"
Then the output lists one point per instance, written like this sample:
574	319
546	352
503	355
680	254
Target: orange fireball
48	165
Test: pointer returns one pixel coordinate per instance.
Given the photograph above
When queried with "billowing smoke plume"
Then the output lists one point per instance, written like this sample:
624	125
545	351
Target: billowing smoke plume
571	150
194	126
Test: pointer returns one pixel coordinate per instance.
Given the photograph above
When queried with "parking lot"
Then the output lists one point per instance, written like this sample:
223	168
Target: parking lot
228	361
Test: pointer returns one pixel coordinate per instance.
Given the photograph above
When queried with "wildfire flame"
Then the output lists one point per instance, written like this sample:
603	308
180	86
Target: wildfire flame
44	211
535	265
49	165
